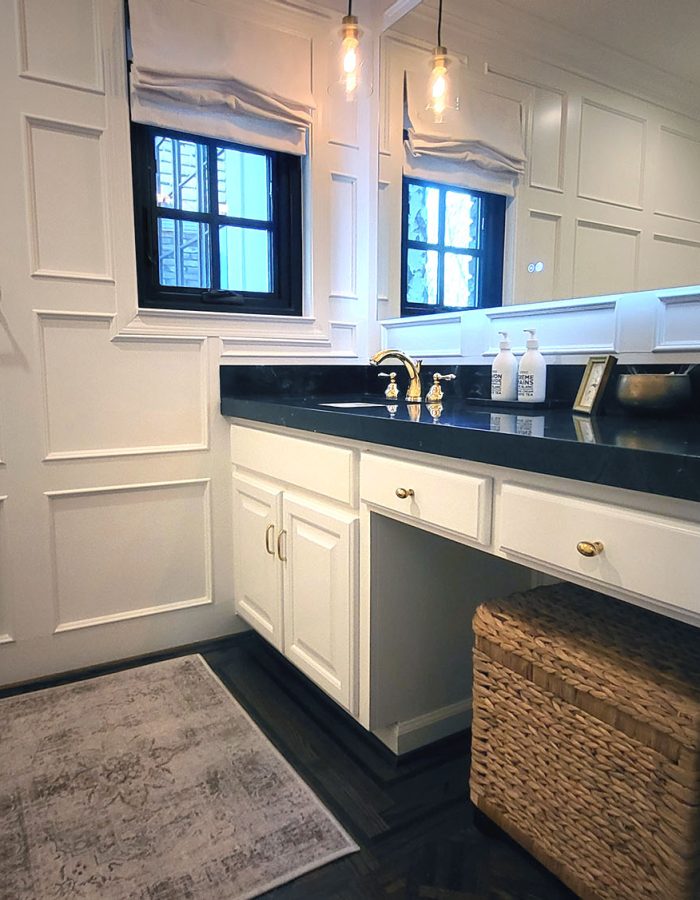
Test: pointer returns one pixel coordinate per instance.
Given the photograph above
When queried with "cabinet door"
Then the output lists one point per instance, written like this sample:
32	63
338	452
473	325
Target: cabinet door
320	586
257	575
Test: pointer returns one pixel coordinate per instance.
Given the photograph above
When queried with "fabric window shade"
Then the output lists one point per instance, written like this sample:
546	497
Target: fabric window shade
198	69
480	145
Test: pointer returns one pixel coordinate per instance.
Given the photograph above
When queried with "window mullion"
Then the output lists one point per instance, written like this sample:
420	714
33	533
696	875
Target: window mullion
441	248
214	248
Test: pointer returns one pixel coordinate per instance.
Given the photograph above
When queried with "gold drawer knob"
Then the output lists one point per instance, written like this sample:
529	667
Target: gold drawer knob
590	548
404	493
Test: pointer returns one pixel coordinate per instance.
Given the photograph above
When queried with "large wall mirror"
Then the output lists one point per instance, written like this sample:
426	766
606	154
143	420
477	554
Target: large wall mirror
609	99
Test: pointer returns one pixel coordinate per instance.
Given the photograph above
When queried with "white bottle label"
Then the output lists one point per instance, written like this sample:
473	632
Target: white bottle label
526	385
496	384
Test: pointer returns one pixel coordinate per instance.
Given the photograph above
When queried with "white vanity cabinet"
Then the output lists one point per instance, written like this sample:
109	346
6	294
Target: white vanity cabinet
363	563
296	554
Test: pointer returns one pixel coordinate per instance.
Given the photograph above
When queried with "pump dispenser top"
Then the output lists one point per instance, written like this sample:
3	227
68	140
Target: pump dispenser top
532	374
504	372
532	342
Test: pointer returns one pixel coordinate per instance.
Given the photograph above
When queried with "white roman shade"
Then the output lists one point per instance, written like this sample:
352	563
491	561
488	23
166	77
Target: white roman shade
480	145
199	69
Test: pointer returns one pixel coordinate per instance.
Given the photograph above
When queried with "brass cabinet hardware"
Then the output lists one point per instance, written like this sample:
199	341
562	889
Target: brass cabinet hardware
282	534
404	493
590	548
270	544
435	394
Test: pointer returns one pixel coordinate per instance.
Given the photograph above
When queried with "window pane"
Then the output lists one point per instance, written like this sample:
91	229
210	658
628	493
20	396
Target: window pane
181	174
462	218
421	276
245	259
423	213
243	184
183	253
460	280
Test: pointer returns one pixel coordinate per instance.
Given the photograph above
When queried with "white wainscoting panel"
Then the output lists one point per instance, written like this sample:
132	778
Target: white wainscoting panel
677	183
59	43
581	327
343	230
147	395
127	551
605	258
5	636
541	245
678	323
678	257
67	202
547	140
617	139
430	336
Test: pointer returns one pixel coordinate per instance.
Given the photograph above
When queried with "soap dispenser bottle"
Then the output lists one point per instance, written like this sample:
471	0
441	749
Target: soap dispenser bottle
504	372
532	375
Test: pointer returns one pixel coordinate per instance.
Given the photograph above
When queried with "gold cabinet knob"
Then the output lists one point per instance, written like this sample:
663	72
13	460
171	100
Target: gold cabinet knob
404	493
590	548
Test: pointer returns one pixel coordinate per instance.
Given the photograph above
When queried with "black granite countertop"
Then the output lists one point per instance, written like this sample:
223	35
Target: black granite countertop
653	455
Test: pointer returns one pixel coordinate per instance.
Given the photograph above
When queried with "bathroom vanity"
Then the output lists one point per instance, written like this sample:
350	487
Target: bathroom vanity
365	535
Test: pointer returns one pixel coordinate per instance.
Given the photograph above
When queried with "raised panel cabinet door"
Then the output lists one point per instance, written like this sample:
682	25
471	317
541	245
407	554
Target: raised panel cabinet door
319	550
257	571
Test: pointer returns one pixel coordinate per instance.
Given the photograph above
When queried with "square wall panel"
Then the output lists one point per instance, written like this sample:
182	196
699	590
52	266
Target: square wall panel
611	162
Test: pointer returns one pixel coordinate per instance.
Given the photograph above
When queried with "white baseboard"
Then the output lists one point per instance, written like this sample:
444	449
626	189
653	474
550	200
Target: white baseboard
402	737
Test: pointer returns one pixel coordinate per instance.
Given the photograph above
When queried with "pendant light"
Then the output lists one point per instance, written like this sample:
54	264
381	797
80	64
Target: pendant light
438	85
350	55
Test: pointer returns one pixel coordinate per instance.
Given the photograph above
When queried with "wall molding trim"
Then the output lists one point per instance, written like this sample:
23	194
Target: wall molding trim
677	318
111	618
132	614
33	123
96	87
116	338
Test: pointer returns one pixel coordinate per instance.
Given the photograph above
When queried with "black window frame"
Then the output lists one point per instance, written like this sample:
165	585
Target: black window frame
490	252
285	230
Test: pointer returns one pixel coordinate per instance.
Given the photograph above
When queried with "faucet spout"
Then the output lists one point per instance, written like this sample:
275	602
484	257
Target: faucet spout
413	367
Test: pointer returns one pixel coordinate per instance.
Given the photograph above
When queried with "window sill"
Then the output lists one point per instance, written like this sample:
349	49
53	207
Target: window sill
247	334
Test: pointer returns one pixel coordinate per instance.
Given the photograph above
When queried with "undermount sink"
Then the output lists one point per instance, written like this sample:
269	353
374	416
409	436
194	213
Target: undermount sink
351	405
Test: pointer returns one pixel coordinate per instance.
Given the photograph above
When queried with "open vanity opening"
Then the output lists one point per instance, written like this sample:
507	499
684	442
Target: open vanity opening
424	591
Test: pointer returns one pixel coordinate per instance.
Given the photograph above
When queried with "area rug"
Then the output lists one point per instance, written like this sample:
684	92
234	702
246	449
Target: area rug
150	784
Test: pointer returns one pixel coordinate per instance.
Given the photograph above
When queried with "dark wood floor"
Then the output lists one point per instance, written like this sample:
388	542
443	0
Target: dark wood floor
411	818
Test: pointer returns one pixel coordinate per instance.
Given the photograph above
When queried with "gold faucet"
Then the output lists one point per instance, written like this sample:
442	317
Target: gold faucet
415	391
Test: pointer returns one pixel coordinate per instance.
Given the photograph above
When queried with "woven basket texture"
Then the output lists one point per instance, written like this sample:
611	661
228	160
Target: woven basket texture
586	740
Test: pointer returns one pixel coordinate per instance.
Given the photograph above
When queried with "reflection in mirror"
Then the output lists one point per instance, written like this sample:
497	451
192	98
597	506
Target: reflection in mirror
609	103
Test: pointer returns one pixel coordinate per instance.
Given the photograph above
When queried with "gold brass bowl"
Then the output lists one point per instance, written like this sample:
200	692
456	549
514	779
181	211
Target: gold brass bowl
654	392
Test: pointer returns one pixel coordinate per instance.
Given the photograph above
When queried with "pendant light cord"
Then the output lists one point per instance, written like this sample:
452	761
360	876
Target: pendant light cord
349	7
439	28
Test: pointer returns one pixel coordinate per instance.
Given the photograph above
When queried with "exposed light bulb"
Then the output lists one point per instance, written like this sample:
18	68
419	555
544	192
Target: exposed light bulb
350	56
439	84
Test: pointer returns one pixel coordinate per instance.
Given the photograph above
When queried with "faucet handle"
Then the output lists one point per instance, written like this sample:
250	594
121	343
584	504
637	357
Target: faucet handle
435	393
392	389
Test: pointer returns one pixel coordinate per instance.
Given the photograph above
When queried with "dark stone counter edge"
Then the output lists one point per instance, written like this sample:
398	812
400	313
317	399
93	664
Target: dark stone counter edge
664	474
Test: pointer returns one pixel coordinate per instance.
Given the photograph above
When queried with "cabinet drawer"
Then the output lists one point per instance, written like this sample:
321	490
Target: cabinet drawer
311	465
451	500
649	555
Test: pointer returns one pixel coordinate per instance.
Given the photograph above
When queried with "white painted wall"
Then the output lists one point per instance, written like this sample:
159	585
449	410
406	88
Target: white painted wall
115	481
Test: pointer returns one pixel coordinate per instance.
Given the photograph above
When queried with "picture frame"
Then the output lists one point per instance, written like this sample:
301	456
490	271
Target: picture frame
593	383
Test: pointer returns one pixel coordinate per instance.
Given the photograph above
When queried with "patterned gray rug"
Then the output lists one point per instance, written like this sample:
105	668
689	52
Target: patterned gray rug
150	784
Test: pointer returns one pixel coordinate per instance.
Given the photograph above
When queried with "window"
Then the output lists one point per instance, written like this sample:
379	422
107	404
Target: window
451	248
218	225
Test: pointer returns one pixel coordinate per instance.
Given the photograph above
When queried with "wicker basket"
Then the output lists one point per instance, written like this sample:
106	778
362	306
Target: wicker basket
586	740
